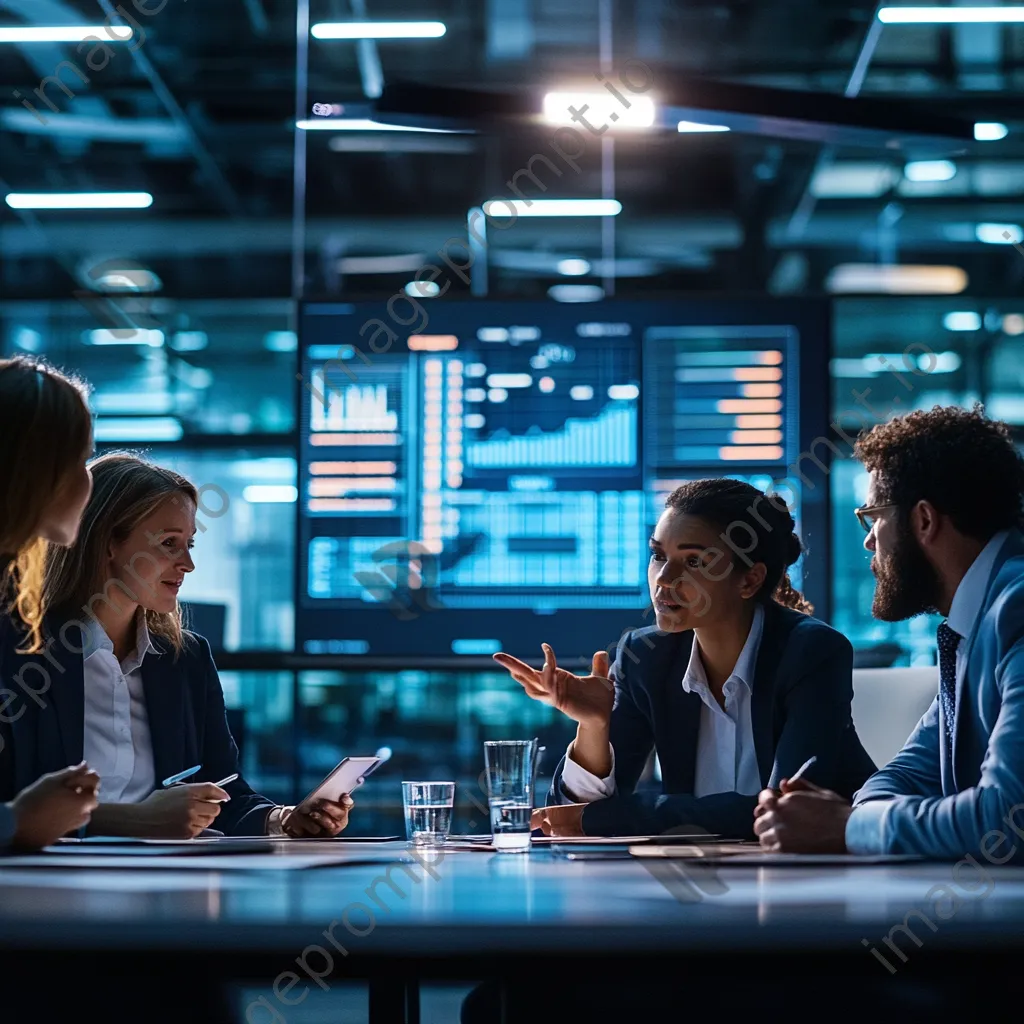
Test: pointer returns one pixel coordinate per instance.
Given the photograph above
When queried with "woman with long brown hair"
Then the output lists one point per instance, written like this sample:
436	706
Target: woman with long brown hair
45	439
735	687
145	689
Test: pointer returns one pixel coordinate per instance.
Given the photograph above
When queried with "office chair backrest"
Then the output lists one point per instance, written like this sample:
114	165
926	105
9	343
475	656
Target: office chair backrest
887	704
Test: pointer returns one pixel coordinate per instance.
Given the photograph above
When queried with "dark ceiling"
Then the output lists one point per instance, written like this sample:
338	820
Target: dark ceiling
202	116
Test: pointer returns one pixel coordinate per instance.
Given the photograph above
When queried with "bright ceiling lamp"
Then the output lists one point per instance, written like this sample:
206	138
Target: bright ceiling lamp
962	321
553	207
270	494
696	127
359	124
378	30
576	292
930	170
137	428
999	234
990	131
64	33
950	15
598	108
79	200
573	267
899	279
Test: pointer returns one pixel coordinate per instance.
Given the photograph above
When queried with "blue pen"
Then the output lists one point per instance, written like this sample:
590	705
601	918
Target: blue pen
181	776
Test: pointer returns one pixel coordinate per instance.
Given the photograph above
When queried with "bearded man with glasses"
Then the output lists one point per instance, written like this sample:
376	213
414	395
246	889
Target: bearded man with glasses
943	521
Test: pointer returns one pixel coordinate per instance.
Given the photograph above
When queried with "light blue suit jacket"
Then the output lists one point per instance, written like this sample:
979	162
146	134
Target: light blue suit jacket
925	803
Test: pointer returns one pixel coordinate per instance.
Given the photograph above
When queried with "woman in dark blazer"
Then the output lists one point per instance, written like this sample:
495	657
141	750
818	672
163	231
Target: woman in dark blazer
735	688
46	434
119	680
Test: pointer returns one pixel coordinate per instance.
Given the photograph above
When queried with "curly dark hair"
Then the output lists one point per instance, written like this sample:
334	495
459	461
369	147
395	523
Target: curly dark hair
727	504
958	460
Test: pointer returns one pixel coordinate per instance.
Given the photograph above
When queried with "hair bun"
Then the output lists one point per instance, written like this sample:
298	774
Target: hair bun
794	549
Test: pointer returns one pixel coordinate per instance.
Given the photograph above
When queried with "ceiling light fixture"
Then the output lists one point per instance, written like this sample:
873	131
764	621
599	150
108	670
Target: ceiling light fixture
64	33
360	124
576	292
950	15
378	30
990	131
962	321
898	279
79	200
573	267
553	207
696	127
930	170
999	234
598	108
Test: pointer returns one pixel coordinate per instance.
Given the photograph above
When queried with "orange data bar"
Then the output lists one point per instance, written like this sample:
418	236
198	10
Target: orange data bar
344	440
749	405
755	436
331	468
332	487
757	373
750	453
433	343
758	422
761	390
770	358
351	505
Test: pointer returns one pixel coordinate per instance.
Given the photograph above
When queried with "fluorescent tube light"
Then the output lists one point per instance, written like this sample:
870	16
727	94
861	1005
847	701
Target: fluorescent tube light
999	234
930	170
553	207
962	321
64	33
694	127
950	15
378	30
79	200
576	292
573	267
598	108
270	494
360	124
900	279
125	336
990	131
137	428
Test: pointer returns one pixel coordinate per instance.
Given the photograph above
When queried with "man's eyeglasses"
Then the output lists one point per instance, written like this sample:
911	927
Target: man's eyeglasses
867	514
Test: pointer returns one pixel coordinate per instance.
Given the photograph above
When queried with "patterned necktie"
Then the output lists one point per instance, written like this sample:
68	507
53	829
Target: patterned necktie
948	642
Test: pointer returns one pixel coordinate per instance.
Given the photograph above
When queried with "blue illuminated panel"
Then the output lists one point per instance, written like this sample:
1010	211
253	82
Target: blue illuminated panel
487	476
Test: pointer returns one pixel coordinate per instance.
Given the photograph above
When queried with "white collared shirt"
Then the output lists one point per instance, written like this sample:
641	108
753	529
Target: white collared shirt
725	758
117	743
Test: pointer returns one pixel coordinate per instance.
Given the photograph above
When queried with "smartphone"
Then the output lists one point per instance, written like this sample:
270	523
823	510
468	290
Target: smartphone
347	776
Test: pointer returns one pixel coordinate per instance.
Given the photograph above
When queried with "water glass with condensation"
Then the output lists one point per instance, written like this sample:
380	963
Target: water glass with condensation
428	811
509	769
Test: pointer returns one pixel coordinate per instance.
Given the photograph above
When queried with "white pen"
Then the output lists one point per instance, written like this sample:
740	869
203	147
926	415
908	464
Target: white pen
800	771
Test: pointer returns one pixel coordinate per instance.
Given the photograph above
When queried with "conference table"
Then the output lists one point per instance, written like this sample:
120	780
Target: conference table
307	916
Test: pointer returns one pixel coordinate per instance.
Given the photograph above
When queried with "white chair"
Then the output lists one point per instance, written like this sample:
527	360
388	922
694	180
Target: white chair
888	703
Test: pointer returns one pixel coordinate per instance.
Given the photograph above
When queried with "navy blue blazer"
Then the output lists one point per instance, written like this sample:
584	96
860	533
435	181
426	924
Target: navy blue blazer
184	704
800	707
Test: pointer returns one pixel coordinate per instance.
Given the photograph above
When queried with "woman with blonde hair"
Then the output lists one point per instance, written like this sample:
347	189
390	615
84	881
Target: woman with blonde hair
45	439
134	690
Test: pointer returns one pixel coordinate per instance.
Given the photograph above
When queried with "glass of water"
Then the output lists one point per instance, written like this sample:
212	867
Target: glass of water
428	811
509	768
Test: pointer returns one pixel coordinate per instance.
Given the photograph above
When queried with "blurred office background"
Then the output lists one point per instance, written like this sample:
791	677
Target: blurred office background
250	214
